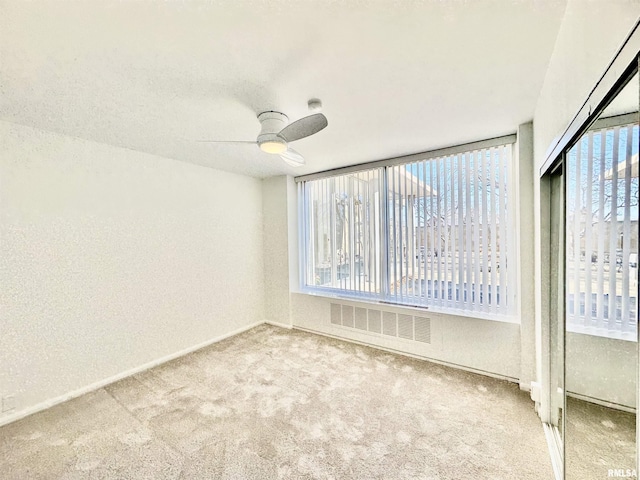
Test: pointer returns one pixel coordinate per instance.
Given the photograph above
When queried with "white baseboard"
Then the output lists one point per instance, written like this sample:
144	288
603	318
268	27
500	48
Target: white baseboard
278	324
525	386
536	392
12	417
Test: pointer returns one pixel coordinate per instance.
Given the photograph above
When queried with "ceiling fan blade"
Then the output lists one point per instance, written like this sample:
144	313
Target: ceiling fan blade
304	127
292	157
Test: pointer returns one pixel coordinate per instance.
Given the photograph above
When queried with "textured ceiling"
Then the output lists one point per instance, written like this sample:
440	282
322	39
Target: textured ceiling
395	77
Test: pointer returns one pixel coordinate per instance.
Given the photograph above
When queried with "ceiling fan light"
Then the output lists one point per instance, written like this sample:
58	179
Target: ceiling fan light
273	146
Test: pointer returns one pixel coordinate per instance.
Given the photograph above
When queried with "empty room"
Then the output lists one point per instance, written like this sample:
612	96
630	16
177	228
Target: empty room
319	239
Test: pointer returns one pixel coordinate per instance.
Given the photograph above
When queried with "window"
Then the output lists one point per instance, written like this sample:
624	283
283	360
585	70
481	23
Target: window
433	231
343	232
602	232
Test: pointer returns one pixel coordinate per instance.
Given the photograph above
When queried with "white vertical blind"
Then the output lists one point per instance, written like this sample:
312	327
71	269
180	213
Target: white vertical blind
588	309
502	299
454	297
494	199
448	238
467	229
430	232
600	296
574	278
485	180
475	225
342	242
627	323
602	233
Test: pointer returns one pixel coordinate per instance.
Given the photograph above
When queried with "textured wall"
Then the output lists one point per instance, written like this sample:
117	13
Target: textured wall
602	368
525	222
276	249
110	259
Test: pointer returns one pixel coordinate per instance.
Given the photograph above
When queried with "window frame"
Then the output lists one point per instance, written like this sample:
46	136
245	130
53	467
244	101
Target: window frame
384	297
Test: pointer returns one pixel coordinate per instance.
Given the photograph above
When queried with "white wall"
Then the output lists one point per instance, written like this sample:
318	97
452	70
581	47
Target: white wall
276	249
110	259
589	36
601	368
523	189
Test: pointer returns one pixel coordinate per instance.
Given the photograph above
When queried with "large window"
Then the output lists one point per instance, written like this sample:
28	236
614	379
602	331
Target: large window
602	232
430	232
343	232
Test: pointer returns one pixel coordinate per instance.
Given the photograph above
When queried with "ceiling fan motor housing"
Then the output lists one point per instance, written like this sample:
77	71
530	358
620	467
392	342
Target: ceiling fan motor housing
272	123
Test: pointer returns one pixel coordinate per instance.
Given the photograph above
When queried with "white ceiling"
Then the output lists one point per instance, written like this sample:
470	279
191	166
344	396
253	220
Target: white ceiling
395	76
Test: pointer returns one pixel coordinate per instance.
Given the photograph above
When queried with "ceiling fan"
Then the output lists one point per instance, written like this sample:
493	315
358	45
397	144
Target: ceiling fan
276	132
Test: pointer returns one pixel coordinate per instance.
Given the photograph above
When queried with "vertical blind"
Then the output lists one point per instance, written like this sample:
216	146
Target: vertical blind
343	224
602	233
448	236
432	232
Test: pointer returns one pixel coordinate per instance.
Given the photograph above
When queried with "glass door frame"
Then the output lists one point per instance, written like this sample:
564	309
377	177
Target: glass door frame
552	404
627	61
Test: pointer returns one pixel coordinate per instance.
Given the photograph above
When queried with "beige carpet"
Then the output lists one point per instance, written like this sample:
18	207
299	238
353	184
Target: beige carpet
273	403
598	439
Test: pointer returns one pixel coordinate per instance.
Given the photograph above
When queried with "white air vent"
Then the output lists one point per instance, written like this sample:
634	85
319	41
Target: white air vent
423	329
375	321
336	314
361	318
405	326
389	326
347	316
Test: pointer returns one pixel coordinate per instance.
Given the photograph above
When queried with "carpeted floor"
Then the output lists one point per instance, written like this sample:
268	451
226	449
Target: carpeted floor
273	403
598	439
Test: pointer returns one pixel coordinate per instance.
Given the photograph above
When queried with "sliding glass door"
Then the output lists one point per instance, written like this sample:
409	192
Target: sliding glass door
601	230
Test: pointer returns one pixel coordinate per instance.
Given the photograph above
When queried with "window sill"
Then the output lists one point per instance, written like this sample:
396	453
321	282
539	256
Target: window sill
602	332
440	311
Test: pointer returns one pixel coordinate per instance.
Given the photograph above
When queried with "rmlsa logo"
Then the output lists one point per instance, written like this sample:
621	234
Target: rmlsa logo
622	473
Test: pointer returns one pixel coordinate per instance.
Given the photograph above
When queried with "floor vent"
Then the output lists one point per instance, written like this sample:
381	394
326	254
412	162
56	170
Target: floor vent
375	321
407	327
389	324
361	318
423	329
347	316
